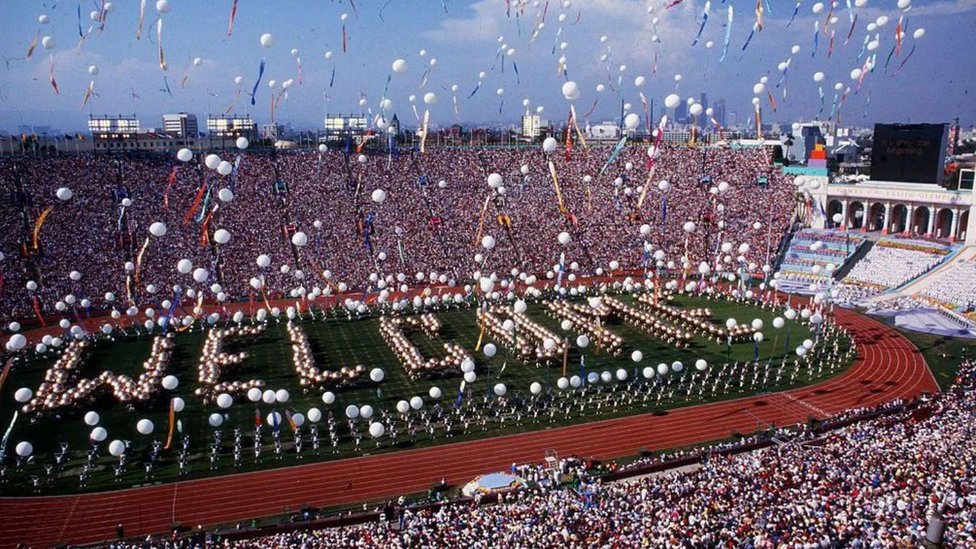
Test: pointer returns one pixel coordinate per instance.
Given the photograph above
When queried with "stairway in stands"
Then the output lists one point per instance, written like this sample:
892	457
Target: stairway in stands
851	261
800	260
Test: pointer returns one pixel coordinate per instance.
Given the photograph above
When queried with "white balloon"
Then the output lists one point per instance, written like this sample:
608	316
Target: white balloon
23	394
116	448
549	145
157	229
224	400
170	382
267	40
631	121
571	90
98	434
201	275
145	427
24	449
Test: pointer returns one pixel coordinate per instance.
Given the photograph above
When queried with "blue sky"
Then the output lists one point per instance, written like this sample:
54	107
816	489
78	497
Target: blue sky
463	36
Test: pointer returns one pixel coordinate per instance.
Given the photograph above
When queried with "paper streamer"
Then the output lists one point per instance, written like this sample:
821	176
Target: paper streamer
755	27
196	204
54	83
32	46
613	155
89	91
254	90
423	138
653	161
172	423
905	60
6	372
142	252
851	32
40	222
233	103
142	17
555	183
796	10
169	184
10	428
899	34
704	19
816	38
233	14
728	35
159	42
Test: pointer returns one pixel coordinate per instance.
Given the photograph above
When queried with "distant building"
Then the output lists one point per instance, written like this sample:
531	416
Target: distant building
533	126
603	130
338	127
113	127
273	132
232	126
681	113
181	125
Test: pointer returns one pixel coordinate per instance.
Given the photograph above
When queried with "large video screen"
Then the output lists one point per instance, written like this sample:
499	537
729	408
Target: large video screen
913	153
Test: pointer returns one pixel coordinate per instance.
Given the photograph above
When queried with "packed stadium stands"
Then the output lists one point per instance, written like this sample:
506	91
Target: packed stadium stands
428	223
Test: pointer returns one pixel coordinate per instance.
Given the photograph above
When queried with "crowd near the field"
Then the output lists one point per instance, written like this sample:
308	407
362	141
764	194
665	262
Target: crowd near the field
428	223
875	483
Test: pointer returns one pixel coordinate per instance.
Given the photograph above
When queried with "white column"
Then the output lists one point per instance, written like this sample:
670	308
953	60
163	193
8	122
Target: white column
909	218
843	213
932	212
887	218
954	225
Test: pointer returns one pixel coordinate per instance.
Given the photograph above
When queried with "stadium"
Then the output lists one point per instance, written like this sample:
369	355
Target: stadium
666	330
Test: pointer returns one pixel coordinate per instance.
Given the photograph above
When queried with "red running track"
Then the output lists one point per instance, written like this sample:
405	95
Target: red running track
888	367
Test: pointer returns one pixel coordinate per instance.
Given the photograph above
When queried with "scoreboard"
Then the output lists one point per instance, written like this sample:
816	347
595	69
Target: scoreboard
912	153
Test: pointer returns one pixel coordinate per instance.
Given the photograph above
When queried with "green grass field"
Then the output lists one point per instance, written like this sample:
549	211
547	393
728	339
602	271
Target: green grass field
338	342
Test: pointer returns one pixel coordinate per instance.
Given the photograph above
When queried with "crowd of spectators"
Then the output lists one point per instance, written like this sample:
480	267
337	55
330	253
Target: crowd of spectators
890	266
428	223
874	483
955	287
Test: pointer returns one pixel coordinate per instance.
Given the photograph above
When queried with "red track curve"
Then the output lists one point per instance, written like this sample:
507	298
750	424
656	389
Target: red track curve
888	367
